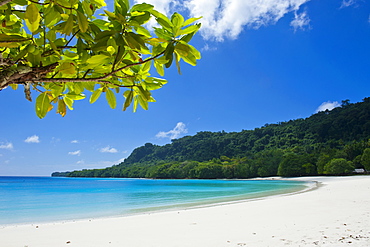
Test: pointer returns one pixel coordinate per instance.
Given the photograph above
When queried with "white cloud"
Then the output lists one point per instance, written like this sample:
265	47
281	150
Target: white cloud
32	139
75	141
208	48
108	149
328	106
8	146
175	133
300	21
347	3
227	18
78	153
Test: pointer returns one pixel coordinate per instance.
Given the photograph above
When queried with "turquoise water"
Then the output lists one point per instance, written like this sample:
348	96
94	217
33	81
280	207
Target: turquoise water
46	199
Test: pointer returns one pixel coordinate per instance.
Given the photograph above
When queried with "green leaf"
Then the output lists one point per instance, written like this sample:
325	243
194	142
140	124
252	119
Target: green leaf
143	103
56	89
190	29
75	96
182	49
68	101
32	17
143	93
191	20
162	20
129	96
20	2
120	53
159	67
186	38
190	59
87	7
89	85
142	7
14	41
83	23
51	16
100	3
110	14
68	28
98	59
111	98
153	86
121	6
177	58
34	59
177	21
64	3
163	34
143	31
62	109
42	105
168	54
67	67
135	41
134	108
95	95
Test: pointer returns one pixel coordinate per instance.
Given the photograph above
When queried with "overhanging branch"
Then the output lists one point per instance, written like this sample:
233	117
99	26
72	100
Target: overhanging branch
94	79
2	3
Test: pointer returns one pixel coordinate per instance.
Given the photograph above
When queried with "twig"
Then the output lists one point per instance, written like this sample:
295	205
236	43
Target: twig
2	3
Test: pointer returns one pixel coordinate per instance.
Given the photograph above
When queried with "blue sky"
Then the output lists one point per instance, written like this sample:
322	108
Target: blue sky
266	63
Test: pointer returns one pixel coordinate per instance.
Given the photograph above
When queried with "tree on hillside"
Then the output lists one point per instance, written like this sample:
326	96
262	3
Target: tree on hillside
339	166
62	48
365	159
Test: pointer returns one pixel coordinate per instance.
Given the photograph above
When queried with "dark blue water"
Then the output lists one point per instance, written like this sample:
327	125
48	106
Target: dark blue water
43	199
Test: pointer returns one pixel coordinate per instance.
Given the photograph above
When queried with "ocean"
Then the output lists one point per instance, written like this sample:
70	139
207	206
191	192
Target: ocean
26	200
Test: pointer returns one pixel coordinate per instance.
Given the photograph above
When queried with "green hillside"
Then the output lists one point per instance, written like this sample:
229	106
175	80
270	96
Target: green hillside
332	142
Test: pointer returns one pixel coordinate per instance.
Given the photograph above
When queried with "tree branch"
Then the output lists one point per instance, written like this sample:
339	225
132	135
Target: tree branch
94	79
2	3
15	40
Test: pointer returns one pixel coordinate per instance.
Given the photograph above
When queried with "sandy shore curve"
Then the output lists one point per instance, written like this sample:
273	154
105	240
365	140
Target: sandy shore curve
336	214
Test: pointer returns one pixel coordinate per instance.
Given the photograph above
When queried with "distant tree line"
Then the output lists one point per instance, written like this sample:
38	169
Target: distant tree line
328	143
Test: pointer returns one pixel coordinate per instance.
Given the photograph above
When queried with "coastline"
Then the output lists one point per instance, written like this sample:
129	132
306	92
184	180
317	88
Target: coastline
335	214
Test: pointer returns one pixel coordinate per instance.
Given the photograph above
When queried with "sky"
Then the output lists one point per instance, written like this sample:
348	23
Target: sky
264	61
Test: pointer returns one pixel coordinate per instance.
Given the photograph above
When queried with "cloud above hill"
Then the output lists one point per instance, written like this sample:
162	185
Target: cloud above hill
174	133
108	149
328	105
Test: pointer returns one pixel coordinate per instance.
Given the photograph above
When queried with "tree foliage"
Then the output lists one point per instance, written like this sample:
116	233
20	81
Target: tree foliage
63	48
301	147
339	166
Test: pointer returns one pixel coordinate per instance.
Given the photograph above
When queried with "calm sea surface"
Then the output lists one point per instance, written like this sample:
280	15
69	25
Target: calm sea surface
45	199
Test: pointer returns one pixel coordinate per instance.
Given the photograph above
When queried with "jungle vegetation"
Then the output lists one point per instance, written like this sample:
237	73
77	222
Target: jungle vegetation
327	143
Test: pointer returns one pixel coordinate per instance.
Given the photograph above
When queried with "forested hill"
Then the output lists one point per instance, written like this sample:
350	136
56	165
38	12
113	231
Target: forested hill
299	147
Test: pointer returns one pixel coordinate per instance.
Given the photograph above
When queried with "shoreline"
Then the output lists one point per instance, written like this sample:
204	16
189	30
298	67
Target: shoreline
333	213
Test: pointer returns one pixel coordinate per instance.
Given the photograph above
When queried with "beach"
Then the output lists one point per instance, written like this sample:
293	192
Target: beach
336	213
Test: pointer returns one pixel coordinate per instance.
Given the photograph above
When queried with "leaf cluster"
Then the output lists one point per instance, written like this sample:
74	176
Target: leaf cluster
63	48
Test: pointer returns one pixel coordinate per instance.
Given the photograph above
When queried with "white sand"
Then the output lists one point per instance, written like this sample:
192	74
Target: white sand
336	214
